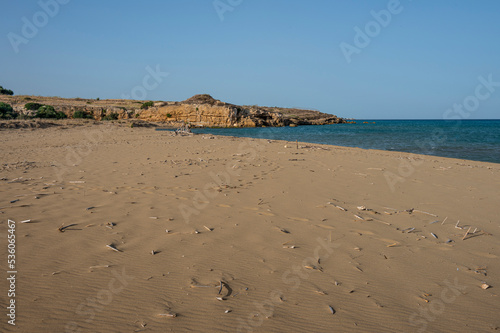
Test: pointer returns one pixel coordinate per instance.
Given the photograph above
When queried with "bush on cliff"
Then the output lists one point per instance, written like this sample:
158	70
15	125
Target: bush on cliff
7	112
32	106
80	114
111	116
48	112
147	105
5	91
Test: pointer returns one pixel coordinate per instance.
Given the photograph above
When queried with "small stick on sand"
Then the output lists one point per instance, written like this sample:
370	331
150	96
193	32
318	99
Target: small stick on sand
62	227
99	266
220	288
112	247
444	220
331	309
386	223
358	217
420	211
467	233
341	208
170	315
26	221
434	235
456	225
209	229
283	230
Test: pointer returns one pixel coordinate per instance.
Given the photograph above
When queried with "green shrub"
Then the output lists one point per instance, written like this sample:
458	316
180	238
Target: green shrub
80	114
32	106
48	112
111	116
5	91
137	115
97	99
169	115
147	105
7	112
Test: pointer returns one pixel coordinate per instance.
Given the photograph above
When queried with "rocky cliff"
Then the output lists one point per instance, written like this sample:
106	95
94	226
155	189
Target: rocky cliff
199	110
203	110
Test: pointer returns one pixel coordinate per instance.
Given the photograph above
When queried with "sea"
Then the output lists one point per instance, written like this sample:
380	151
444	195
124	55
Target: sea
477	140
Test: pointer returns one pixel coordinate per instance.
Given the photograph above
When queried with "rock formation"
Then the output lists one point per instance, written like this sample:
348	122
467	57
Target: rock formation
199	110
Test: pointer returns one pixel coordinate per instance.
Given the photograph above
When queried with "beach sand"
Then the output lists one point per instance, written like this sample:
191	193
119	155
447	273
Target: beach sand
263	236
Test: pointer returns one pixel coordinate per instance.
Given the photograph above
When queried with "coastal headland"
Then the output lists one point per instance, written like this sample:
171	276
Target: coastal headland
199	111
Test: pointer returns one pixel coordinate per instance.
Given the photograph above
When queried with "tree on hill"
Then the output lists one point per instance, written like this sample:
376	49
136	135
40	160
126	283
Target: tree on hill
4	91
7	112
48	111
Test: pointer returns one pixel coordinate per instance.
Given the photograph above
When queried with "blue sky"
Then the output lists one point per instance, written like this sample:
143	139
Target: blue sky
424	58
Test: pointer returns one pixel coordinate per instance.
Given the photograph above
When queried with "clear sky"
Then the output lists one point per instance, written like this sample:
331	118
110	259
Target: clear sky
330	55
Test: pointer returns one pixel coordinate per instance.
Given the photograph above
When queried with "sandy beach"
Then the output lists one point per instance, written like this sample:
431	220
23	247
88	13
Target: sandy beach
136	230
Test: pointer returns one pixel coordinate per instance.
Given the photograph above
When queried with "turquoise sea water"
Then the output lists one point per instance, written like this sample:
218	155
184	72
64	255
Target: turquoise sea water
466	139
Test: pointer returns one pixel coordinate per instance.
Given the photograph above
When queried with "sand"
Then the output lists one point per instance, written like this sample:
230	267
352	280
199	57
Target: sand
278	227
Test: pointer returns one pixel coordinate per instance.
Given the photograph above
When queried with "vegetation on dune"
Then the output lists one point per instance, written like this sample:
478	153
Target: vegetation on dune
48	112
4	91
147	105
80	114
32	106
111	116
7	112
